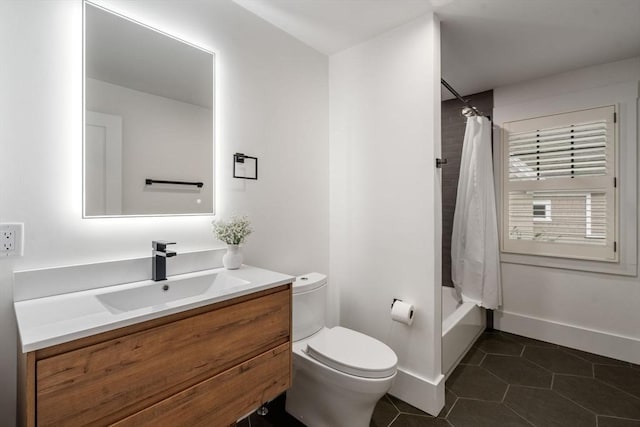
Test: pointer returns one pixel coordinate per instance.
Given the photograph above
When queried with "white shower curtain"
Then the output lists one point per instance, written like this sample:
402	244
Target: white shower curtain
475	262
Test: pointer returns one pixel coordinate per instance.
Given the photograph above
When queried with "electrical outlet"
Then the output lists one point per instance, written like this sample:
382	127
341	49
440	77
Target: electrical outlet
11	239
7	241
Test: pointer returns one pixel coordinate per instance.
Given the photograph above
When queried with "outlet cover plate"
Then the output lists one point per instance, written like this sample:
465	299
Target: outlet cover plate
11	239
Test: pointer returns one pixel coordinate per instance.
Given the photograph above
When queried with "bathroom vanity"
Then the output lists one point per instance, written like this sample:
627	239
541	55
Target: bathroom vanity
205	359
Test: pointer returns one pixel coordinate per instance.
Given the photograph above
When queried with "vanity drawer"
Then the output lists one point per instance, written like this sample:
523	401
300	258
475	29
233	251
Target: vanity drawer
107	381
218	400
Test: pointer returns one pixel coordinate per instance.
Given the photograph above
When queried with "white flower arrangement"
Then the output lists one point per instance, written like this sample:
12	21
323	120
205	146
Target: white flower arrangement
233	232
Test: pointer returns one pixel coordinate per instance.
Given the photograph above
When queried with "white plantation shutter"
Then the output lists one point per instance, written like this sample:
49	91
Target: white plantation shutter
561	152
559	189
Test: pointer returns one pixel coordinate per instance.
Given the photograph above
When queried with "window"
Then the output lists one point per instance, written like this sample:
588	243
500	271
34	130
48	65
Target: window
542	210
559	185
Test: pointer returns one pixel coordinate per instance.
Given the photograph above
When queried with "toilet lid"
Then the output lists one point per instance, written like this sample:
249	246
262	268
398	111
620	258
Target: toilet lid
353	353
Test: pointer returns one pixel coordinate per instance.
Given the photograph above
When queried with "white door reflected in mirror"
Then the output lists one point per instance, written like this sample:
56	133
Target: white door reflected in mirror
103	164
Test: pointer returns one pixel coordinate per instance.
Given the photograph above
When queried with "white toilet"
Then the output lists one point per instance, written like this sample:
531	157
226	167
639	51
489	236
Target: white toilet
338	374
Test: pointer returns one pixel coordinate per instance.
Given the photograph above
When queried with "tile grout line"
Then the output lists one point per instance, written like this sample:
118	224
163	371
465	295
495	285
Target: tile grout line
617	388
425	415
476	399
619	418
567	350
518	414
546	344
574	402
494	375
502	402
446	416
569	354
547	369
533	363
451	409
575	375
392	404
502	354
505	393
628	364
394	418
533	387
613	385
499	333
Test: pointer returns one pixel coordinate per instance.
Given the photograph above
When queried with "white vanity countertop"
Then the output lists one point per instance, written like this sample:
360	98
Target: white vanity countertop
52	320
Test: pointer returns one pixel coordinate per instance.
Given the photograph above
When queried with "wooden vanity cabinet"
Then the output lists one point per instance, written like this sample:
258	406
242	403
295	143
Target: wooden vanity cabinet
204	367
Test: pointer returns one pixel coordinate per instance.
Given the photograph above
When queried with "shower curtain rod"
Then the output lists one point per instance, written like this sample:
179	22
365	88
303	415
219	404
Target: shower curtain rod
464	101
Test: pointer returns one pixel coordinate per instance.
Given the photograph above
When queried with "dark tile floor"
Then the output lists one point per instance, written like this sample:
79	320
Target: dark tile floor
276	417
509	380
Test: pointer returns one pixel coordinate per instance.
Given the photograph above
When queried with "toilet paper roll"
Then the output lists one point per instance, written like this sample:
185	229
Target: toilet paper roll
402	312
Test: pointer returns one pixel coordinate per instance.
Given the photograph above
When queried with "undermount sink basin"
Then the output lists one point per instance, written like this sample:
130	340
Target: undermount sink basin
167	291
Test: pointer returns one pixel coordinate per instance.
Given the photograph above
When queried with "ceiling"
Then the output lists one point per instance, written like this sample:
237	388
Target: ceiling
333	25
485	43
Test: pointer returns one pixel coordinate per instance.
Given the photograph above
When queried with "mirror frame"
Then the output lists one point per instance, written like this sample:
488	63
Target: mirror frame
86	3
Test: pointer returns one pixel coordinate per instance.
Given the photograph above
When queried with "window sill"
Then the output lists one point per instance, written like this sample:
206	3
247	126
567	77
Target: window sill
618	268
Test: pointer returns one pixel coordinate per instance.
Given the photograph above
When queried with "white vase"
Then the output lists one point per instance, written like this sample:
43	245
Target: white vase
232	260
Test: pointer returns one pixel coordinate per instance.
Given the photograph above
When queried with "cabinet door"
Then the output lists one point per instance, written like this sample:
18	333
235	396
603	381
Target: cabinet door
221	400
106	382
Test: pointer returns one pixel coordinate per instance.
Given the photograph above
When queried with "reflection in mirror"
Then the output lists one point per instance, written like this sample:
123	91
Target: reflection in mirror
148	115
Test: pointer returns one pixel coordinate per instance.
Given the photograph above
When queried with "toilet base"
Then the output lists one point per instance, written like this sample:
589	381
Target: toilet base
323	397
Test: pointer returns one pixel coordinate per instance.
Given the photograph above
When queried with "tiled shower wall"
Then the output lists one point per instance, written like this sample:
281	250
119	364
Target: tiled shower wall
453	126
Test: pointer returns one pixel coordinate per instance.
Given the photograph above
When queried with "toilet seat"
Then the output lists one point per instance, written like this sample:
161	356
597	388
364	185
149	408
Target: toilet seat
352	352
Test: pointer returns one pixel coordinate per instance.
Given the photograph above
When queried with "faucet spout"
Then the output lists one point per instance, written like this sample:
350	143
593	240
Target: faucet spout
160	253
165	254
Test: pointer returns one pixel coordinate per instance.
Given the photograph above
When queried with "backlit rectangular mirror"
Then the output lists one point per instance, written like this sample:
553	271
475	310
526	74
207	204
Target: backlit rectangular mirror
148	120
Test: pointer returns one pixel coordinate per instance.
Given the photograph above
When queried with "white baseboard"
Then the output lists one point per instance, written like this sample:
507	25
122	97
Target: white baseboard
417	391
598	342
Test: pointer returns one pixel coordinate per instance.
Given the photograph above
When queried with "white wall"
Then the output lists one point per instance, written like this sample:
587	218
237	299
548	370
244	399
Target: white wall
592	311
162	139
385	236
272	103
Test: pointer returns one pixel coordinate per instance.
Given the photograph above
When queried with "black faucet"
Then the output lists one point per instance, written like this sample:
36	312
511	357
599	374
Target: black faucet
159	259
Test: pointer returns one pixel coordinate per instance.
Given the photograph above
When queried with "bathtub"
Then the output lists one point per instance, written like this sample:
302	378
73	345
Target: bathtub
462	324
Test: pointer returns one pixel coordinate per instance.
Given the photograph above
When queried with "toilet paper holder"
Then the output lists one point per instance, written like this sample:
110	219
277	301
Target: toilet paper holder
398	299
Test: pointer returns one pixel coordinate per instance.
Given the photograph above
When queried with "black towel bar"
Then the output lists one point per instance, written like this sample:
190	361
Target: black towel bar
149	181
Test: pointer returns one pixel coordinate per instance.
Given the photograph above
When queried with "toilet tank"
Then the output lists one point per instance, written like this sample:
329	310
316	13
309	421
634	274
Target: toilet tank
309	301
